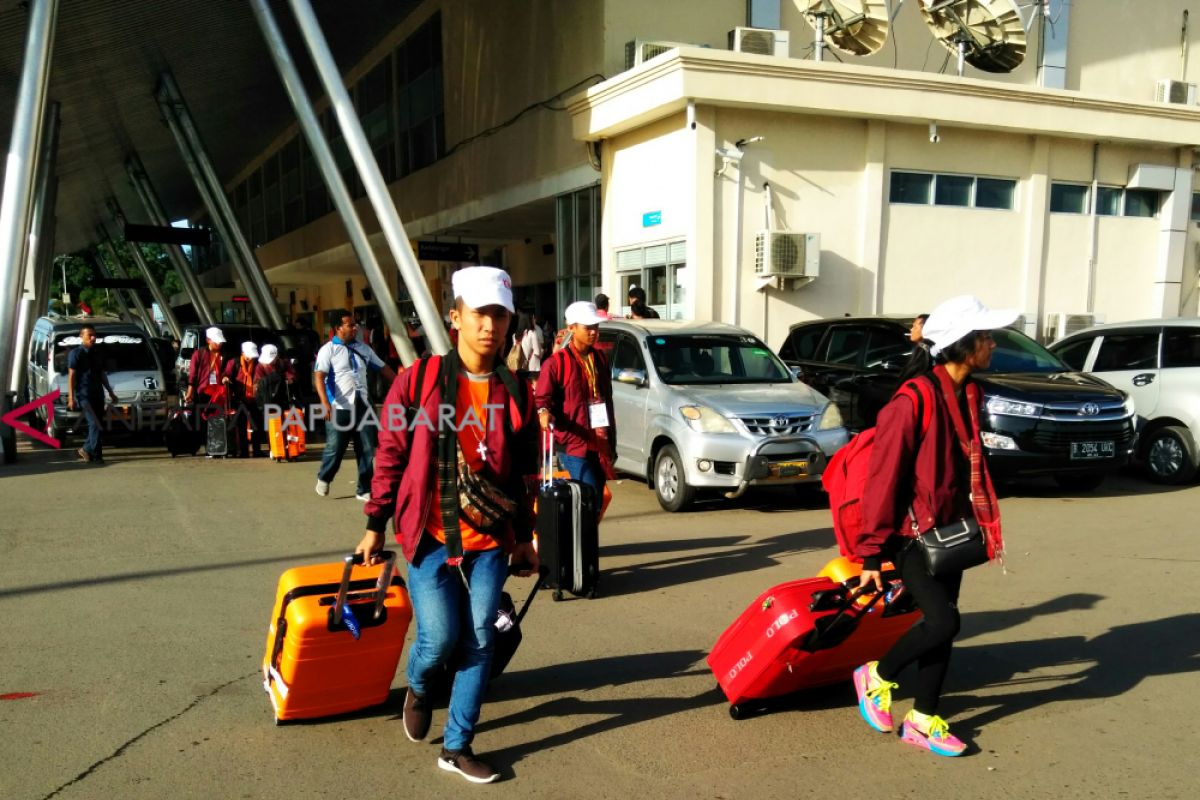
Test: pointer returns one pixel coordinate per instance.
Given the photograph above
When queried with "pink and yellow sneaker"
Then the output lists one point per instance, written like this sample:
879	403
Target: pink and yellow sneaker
932	733
874	697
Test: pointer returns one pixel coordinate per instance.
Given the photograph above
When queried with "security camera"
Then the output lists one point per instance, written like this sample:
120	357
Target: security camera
933	133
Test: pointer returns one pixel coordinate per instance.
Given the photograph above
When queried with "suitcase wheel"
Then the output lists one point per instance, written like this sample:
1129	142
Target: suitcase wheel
591	593
735	712
558	595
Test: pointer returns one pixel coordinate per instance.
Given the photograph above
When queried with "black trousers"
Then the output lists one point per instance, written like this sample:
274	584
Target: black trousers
929	642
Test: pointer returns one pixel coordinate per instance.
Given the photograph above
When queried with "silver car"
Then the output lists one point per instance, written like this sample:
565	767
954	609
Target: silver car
705	405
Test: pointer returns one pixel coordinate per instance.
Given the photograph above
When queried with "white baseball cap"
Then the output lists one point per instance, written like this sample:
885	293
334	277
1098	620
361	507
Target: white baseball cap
583	313
214	335
483	286
959	316
249	349
269	353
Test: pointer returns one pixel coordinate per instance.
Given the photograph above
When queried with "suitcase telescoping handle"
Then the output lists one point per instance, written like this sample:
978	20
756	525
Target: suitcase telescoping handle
543	571
381	587
548	455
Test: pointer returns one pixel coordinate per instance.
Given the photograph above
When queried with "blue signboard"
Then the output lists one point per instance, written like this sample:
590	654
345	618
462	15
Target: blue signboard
651	218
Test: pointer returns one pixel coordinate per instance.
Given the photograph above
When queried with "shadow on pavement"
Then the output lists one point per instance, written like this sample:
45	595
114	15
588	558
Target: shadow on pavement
1107	665
977	623
649	576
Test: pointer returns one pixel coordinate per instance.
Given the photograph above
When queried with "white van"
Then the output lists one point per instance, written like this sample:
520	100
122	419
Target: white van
129	359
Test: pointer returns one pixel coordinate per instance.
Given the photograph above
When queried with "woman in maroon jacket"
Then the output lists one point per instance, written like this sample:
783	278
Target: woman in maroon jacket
927	470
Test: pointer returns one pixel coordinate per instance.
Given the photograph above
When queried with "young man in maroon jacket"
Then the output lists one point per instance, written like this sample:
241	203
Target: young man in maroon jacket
456	568
574	394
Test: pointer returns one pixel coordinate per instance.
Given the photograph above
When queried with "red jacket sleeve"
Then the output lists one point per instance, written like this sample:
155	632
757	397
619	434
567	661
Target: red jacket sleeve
391	456
549	377
889	488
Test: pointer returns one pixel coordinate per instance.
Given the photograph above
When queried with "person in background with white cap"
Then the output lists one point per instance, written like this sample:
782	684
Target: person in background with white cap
457	560
271	378
340	380
574	394
927	470
240	374
207	368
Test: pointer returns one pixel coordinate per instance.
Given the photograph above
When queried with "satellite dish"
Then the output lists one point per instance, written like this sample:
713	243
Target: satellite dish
857	27
987	34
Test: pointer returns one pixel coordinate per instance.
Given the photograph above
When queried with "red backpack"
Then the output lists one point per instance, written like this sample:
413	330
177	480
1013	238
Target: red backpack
845	477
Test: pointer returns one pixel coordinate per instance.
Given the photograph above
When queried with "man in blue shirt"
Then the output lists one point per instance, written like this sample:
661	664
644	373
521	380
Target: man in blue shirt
86	382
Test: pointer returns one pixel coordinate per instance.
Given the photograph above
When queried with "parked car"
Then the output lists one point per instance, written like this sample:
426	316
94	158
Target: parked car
1158	363
708	406
129	359
291	344
1041	416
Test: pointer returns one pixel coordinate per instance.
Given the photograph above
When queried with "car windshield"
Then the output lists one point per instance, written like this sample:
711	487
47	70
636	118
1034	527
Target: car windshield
1016	352
120	352
715	358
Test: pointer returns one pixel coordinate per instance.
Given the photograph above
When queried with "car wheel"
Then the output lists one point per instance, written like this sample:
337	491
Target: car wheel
1079	483
670	482
1171	455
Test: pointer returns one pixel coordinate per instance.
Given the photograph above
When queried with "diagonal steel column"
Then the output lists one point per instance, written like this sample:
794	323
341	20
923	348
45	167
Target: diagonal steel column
139	258
36	246
368	170
15	200
180	121
323	156
158	215
118	270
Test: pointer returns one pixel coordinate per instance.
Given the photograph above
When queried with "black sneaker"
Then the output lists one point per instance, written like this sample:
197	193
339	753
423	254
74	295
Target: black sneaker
466	764
417	716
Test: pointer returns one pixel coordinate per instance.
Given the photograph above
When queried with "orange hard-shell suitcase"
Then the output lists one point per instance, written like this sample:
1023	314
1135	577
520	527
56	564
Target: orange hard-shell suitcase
276	439
315	665
293	432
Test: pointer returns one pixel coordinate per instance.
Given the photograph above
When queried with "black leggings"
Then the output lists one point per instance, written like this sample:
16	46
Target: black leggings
928	642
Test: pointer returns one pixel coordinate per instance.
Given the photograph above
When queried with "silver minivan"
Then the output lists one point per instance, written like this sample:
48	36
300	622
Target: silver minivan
129	359
1157	361
706	405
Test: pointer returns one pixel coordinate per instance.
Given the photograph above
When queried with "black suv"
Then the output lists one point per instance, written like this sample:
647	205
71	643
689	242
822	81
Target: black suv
1041	417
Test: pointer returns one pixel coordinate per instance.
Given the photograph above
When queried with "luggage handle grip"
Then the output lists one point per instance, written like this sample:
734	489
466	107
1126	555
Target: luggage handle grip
381	587
548	455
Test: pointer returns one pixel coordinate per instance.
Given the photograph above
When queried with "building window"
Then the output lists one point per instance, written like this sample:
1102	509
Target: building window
1195	206
1108	201
291	185
420	118
963	191
258	211
1068	198
272	199
316	194
378	121
661	270
577	245
1141	203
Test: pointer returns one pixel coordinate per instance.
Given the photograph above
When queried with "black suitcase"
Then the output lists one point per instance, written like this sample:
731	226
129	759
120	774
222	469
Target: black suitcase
568	534
508	626
220	442
180	434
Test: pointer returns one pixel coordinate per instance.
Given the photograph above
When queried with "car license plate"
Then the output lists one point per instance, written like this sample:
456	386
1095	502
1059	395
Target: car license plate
789	469
1083	451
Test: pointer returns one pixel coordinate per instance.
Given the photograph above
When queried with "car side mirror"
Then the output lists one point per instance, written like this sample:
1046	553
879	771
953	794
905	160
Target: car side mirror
796	373
633	377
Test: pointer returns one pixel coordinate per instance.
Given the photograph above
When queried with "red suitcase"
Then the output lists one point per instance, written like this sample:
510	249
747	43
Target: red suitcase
315	665
807	633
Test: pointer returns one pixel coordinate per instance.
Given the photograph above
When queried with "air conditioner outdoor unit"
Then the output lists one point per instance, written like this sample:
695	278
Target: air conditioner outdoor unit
781	254
1170	91
1060	324
639	50
761	41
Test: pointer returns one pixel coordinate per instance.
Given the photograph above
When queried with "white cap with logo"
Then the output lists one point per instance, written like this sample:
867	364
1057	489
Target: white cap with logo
959	316
214	335
483	286
269	353
249	349
583	313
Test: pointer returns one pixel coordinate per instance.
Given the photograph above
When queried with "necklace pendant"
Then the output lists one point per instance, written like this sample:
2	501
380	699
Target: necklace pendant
482	450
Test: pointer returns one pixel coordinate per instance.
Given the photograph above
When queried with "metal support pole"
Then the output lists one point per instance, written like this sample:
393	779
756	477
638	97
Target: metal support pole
820	40
323	156
15	200
118	269
180	121
139	258
368	170
158	215
36	245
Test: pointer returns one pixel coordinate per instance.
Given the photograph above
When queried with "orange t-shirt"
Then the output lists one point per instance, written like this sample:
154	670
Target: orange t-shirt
471	394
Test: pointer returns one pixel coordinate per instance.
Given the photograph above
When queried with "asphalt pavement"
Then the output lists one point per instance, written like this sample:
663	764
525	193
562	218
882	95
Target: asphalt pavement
136	595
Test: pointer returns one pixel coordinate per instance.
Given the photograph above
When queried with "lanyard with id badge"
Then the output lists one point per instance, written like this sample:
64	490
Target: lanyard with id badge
597	408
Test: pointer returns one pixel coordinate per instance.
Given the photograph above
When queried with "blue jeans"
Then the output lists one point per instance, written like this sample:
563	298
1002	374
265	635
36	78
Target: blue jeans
586	469
366	439
93	413
450	621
